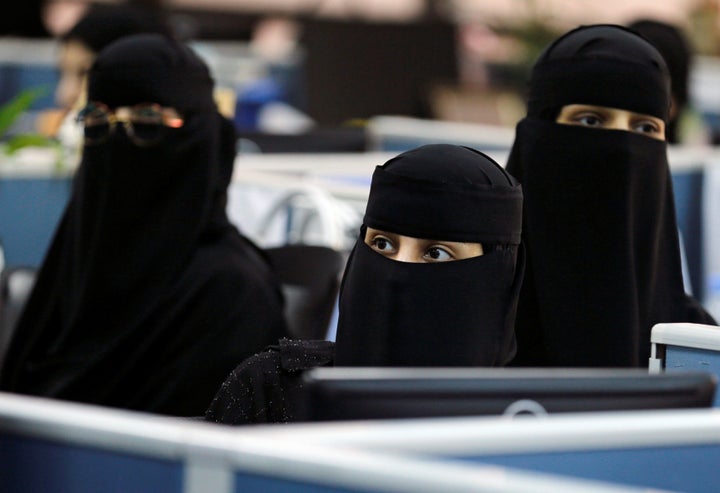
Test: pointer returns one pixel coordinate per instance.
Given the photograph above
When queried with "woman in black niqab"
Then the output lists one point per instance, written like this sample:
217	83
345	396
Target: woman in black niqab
599	215
456	313
148	296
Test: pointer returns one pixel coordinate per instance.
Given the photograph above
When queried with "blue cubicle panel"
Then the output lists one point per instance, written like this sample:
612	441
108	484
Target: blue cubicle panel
31	465
688	469
59	447
711	238
16	77
30	208
666	450
688	192
688	358
686	347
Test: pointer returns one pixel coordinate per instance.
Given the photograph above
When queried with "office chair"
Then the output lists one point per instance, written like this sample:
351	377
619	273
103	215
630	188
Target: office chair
310	277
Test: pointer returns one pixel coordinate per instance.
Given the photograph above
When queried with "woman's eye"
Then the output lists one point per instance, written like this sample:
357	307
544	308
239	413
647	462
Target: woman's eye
437	254
646	128
588	120
382	244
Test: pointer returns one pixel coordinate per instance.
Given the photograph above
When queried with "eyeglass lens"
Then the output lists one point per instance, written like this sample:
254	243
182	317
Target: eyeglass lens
147	123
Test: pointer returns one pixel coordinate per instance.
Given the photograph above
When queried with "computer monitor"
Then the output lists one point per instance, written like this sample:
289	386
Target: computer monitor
354	70
386	393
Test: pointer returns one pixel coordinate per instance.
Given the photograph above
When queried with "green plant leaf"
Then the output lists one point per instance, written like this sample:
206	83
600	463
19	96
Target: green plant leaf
11	111
27	140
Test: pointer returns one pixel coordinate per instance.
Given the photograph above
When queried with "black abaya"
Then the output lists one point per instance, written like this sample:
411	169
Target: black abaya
599	216
148	296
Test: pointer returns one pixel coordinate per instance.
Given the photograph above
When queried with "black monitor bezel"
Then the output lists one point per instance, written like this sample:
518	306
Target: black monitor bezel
390	393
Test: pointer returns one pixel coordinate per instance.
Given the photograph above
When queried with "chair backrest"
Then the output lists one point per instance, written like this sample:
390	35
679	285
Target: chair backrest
15	286
309	215
310	276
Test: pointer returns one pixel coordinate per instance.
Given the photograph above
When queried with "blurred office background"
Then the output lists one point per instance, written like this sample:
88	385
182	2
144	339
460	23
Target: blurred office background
323	90
341	61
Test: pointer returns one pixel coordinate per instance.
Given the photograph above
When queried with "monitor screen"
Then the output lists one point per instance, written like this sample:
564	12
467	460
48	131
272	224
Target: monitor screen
384	393
353	70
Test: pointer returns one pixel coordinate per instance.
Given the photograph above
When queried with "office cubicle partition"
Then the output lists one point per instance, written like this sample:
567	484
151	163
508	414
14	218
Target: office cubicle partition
51	446
685	347
663	450
391	133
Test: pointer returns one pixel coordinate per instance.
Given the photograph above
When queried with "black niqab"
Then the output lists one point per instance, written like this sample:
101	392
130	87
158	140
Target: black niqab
148	296
458	313
599	215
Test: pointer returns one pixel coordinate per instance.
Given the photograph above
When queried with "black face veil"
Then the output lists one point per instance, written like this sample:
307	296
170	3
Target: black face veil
599	217
458	313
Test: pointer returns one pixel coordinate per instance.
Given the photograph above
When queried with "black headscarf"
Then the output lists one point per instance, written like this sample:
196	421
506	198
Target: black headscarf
148	296
458	313
599	215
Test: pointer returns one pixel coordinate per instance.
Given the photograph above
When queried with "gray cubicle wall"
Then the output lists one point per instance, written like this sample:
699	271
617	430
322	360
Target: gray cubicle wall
51	446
